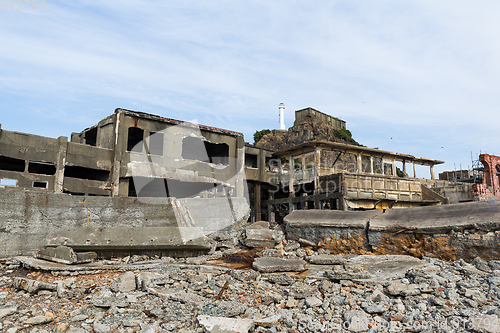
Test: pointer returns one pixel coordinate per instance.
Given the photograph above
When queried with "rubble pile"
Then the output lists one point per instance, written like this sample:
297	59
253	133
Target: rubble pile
289	289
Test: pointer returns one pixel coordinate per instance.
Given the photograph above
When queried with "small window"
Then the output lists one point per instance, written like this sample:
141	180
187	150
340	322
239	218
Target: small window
251	161
8	182
40	184
91	136
42	168
156	143
11	164
135	138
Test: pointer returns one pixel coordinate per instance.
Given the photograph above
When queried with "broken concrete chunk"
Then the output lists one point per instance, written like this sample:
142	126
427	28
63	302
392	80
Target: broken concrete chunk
226	325
271	264
107	299
313	302
269	321
32	286
124	283
223	308
401	289
65	255
244	276
38	320
347	272
282	279
8	310
356	321
263	237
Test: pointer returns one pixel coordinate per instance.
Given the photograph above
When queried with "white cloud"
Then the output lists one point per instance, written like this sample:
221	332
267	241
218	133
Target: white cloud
420	68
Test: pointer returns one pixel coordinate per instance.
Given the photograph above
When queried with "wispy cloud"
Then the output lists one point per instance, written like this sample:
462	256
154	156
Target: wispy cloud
425	70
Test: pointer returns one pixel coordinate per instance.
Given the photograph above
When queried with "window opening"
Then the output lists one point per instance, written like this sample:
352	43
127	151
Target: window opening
204	151
388	169
377	165
8	182
91	137
135	138
251	160
365	163
86	173
40	184
11	164
42	168
156	143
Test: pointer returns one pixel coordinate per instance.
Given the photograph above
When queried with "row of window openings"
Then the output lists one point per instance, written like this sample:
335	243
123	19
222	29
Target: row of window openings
13	183
251	161
49	169
192	148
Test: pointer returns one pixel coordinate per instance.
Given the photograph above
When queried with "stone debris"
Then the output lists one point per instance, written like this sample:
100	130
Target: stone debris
226	325
325	293
272	264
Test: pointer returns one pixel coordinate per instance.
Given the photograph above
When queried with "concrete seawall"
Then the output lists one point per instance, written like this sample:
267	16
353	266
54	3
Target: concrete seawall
29	219
448	232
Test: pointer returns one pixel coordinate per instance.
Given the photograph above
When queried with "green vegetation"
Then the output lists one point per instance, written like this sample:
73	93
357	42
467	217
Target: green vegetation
400	173
259	134
345	135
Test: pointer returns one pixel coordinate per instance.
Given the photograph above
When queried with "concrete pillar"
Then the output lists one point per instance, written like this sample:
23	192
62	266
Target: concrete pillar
61	162
240	165
432	172
258	207
118	148
291	191
414	171
371	165
291	163
394	173
271	215
360	165
317	156
404	166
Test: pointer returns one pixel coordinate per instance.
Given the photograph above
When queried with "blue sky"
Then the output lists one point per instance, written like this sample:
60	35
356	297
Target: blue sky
419	77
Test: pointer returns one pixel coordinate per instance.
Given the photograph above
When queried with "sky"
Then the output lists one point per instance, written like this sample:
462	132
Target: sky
419	77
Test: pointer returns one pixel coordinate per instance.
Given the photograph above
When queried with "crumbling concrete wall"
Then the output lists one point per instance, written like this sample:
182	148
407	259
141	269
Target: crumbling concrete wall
448	232
29	219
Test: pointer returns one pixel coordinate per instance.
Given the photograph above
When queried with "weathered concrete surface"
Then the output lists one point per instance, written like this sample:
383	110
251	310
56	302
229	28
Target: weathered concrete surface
65	255
448	232
338	231
128	239
263	237
225	325
29	219
272	264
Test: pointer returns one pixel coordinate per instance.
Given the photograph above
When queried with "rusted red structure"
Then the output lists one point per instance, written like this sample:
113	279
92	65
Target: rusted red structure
490	188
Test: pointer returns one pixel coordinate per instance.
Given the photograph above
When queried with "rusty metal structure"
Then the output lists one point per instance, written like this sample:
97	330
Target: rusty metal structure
490	188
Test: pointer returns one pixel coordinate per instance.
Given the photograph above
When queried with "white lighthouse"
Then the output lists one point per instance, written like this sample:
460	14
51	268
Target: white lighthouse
282	116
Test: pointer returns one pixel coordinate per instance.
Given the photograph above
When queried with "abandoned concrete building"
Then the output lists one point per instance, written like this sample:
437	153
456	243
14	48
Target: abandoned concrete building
134	154
195	160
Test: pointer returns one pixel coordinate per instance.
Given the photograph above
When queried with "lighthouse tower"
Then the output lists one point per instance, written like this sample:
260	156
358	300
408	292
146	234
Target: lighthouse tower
282	116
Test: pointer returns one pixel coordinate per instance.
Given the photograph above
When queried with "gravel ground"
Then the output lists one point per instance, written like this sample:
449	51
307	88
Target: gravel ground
437	297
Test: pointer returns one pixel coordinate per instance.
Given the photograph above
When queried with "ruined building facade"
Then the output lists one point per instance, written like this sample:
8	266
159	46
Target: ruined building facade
134	154
194	160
